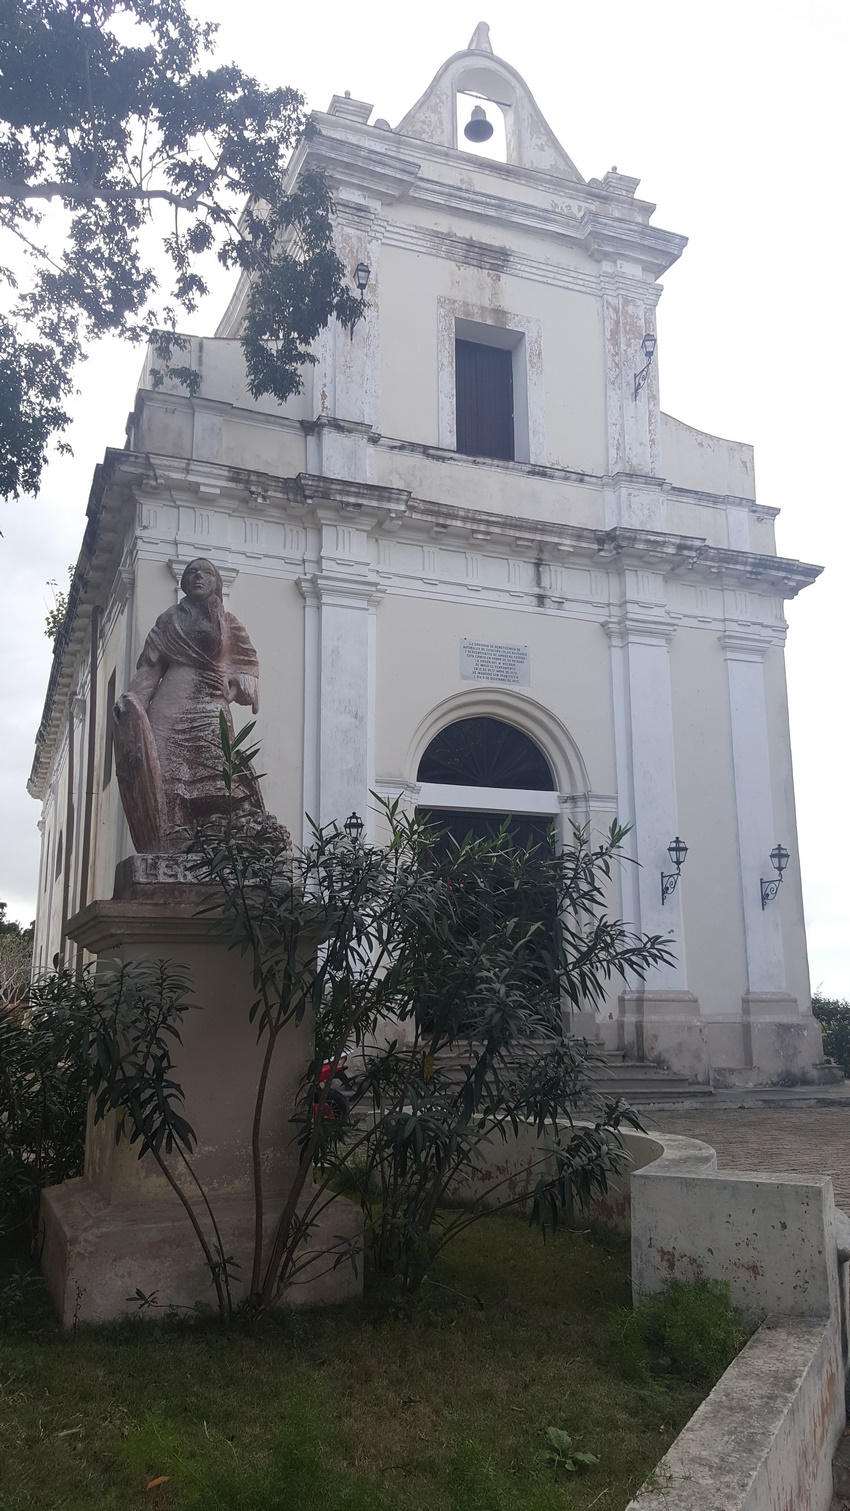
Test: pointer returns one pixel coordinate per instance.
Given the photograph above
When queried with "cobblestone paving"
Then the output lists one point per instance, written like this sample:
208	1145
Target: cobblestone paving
802	1140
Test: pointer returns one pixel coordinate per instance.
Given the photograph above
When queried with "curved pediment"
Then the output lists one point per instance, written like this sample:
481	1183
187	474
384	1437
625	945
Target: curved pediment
531	143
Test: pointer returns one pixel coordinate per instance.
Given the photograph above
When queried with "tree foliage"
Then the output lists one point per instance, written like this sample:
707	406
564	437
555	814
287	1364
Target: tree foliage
833	1015
15	958
55	617
110	123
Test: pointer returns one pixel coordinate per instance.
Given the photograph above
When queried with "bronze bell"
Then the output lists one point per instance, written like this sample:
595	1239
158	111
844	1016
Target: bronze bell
478	128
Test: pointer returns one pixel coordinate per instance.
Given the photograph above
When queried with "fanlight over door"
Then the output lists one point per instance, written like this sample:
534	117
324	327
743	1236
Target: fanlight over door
469	763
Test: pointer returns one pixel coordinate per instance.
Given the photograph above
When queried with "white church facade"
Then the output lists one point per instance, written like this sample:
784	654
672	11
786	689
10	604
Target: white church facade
481	568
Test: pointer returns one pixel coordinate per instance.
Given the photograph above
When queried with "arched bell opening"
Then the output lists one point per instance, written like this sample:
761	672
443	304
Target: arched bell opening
480	126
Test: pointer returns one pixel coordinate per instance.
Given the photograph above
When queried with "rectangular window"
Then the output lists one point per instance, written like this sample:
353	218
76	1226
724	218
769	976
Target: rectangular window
107	749
484	400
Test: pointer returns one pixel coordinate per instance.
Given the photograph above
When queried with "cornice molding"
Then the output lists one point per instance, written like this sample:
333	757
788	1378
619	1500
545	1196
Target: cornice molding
607	224
370	500
607	238
603	237
780	574
702	497
591	193
363	165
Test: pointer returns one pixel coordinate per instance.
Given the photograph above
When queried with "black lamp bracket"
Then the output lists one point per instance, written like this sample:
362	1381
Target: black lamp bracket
641	377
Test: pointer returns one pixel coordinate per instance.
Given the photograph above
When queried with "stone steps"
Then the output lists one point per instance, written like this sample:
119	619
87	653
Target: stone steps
638	1081
634	1080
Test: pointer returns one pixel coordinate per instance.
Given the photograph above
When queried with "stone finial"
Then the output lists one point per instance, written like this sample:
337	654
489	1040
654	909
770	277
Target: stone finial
480	39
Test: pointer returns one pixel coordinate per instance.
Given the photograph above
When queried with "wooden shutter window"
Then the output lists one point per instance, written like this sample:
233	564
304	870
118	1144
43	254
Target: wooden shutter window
484	400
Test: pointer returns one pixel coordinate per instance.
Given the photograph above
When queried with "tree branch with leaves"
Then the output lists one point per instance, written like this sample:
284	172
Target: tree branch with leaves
111	124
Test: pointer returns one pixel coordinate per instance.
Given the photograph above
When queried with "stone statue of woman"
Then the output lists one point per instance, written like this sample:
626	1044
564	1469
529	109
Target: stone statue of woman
196	661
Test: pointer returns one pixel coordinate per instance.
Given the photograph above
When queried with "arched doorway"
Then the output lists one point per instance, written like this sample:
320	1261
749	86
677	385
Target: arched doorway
480	774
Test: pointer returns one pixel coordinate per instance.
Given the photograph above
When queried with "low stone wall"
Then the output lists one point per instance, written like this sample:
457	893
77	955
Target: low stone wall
763	1440
765	1437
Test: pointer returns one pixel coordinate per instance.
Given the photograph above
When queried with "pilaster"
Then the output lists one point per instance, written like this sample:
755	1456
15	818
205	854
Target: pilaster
633	419
744	650
347	372
639	632
341	600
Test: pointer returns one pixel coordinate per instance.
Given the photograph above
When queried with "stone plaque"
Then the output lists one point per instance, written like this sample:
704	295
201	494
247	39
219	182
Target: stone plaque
485	661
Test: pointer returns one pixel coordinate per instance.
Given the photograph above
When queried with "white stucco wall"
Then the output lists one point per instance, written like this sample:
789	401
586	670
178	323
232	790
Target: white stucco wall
692	458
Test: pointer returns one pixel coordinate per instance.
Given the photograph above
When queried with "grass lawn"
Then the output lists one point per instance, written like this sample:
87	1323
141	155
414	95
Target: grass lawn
368	1407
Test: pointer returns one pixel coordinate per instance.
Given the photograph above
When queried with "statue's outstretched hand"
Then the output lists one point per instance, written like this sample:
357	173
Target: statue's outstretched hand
245	690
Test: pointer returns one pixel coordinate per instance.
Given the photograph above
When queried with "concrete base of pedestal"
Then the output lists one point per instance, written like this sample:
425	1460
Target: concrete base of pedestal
97	1254
120	1228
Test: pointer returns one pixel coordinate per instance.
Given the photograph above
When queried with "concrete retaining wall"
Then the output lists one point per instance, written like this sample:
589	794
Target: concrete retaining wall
765	1437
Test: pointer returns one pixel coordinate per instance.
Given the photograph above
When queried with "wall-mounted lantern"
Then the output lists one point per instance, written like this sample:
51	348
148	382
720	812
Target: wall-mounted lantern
361	278
677	851
354	827
779	857
648	345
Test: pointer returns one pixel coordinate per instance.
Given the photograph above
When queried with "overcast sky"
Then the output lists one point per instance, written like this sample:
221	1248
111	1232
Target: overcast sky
734	117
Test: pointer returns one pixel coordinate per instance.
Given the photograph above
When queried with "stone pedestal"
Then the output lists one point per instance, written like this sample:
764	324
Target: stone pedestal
120	1227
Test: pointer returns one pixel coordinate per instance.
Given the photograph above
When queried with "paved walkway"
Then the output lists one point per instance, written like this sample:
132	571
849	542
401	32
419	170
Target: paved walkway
802	1140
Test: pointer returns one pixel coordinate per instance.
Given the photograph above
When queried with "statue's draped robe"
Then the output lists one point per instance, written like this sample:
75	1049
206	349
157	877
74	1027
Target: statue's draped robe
172	769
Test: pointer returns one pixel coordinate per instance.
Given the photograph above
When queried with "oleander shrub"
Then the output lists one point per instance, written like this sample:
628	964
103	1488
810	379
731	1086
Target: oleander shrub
43	1098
